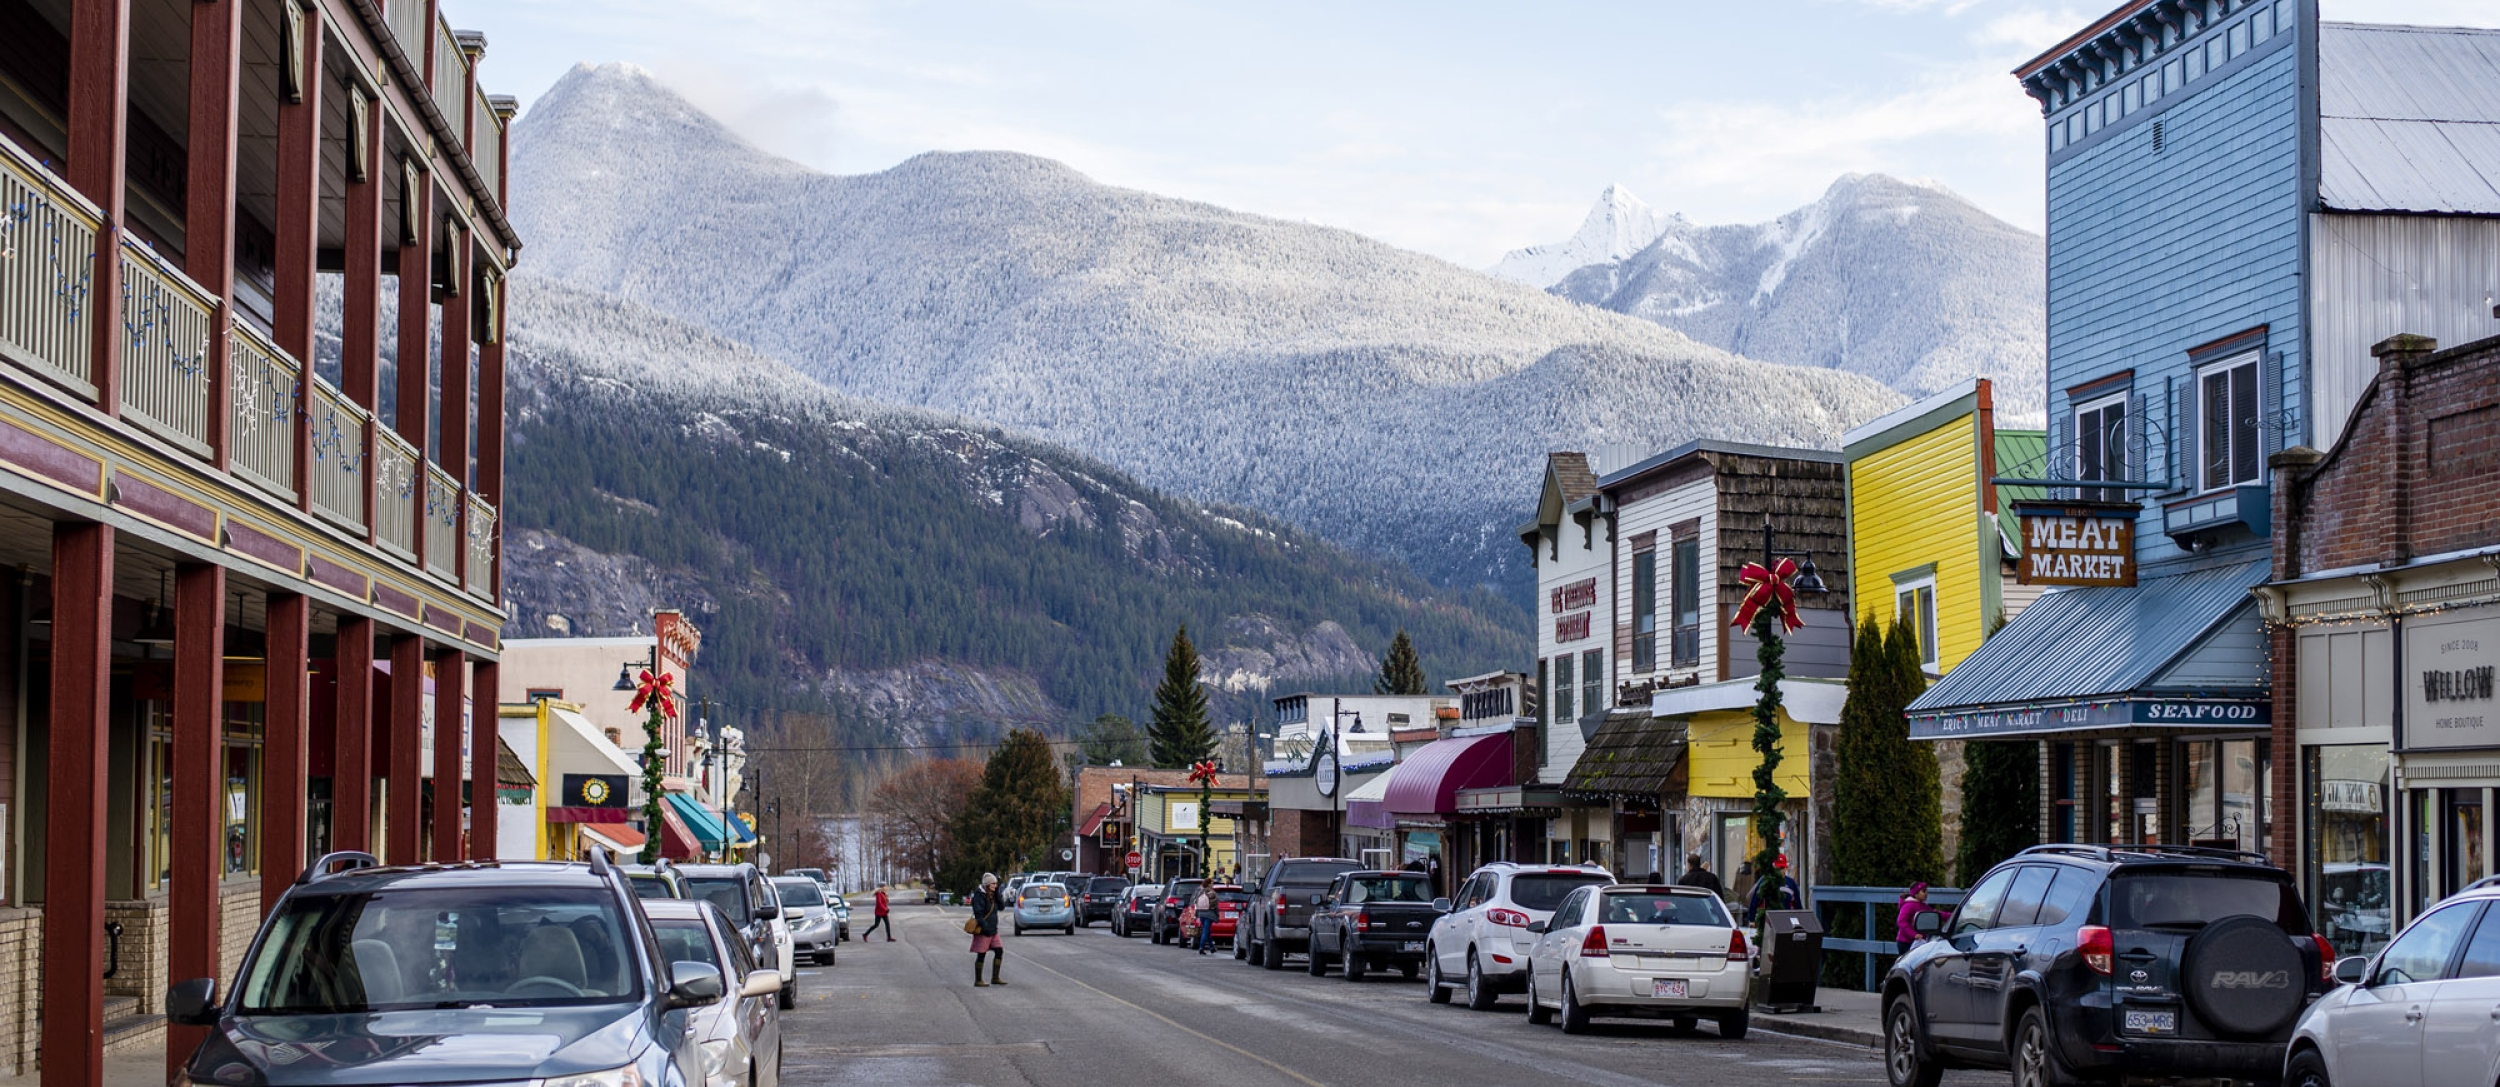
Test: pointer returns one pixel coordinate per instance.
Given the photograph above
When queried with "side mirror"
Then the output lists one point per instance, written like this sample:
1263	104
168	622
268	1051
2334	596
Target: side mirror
1536	926
1318	899
693	984
761	983
2350	970
1926	923
192	1003
767	913
1441	905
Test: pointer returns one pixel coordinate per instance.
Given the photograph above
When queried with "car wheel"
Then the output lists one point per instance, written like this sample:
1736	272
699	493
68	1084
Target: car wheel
1241	948
1068	931
1019	930
2307	1069
1480	994
790	994
1318	962
1575	1015
1681	1024
1435	990
1538	1013
1275	958
1904	1064
2036	1063
1352	963
1733	1025
1406	970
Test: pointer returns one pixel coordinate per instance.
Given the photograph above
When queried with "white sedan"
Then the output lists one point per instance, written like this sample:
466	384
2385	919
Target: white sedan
1658	952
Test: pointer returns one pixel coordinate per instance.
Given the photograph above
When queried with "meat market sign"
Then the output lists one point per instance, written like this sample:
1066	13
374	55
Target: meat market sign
2077	543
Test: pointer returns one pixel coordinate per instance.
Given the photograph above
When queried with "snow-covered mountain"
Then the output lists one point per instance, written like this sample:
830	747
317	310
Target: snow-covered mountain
1381	397
1908	284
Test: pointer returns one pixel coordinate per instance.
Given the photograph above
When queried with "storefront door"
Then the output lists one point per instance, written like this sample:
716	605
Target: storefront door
2351	885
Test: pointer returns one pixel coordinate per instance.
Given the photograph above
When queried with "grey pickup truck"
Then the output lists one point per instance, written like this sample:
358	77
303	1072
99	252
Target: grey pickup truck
1372	920
1280	908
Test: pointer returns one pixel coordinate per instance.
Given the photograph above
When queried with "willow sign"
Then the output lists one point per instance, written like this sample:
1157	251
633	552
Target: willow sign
2082	543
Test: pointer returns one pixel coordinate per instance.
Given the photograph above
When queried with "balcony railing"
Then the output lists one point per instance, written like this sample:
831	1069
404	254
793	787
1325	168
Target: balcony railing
481	571
451	76
48	233
408	27
164	349
395	490
487	150
442	523
338	457
260	435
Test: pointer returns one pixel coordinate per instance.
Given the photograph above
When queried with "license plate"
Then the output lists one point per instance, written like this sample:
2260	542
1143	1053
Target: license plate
1411	945
1669	989
2150	1022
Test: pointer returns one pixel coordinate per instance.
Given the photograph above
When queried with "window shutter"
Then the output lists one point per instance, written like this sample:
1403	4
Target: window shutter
2137	470
2062	451
2183	440
2272	420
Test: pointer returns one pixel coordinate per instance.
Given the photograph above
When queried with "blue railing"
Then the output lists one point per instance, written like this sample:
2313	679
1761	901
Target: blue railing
1882	910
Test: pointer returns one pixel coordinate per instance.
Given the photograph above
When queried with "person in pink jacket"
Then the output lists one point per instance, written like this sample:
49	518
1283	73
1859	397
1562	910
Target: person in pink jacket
1905	924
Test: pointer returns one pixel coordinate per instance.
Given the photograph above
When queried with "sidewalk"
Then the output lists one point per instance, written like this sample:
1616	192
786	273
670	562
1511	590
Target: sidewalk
136	1070
1849	1017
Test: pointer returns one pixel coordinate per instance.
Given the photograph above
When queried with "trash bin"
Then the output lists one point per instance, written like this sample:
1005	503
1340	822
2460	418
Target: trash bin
1792	962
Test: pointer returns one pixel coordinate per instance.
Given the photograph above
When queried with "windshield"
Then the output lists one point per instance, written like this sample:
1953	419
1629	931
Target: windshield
1232	898
1108	885
651	887
799	892
1653	908
1041	892
686	941
1319	872
504	947
2194	901
1389	889
1546	891
727	892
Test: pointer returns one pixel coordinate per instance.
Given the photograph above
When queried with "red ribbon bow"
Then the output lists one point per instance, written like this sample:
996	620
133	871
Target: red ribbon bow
656	691
1202	773
1769	587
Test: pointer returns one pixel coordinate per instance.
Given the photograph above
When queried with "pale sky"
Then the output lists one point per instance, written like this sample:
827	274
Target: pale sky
1460	129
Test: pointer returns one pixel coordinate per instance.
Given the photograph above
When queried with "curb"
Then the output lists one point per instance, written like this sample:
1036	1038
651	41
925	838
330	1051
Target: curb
1803	1027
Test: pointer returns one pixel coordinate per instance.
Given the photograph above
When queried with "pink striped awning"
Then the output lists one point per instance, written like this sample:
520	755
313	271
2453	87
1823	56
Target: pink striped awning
1428	781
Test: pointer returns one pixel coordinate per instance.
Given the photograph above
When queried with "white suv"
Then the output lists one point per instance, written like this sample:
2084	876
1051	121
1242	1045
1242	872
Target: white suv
1483	937
2419	1014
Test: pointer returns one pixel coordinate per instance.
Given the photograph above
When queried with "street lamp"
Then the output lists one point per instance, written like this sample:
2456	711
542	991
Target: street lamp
1770	610
1333	784
625	672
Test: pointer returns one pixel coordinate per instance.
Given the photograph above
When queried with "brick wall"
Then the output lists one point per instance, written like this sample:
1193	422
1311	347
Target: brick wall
21	983
1297	833
2411	476
140	965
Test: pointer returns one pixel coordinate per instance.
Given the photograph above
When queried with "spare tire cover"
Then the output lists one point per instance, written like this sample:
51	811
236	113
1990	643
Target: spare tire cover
2243	976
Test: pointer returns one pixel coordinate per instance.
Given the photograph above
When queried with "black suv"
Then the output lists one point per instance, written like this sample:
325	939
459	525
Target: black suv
503	972
1176	896
1280	908
1101	898
2075	961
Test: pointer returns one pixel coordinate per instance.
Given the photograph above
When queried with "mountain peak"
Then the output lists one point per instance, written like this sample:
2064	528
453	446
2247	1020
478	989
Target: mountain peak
1617	226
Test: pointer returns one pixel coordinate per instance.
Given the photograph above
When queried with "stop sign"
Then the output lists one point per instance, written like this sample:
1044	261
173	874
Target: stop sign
1135	860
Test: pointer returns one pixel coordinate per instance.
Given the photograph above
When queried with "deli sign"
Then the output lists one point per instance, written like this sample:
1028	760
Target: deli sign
2077	543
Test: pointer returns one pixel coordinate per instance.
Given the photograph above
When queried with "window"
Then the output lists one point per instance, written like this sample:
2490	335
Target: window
1592	681
1980	908
1914	600
1562	691
2226	395
2022	904
536	693
2422	953
1687	561
2101	446
2071	895
2173	76
2482	953
2135	97
1644	610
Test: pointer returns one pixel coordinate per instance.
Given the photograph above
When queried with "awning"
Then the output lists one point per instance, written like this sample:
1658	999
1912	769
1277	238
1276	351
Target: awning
677	842
704	821
1093	823
622	840
742	829
1427	783
509	773
1632	755
579	747
2180	651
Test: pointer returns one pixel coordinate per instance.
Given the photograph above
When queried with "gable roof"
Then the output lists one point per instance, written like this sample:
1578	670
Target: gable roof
2409	119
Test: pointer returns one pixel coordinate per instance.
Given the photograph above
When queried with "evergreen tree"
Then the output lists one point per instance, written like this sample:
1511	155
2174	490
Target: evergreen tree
1401	671
1015	815
1110	739
1915	825
1862	792
2000	803
1180	734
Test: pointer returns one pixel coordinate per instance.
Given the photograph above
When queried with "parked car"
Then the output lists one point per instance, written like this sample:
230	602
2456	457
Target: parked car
1137	909
1368	919
657	880
1008	888
523	971
746	898
2076	961
817	874
1280	908
1225	920
2420	1014
740	1035
813	926
1045	905
1658	952
841	908
1177	895
1100	900
1484	938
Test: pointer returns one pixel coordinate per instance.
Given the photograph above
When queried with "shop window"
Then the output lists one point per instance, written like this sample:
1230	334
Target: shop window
1687	561
2101	446
2464	834
2226	396
1732	841
1592	681
2351	884
1645	610
1564	688
1914	601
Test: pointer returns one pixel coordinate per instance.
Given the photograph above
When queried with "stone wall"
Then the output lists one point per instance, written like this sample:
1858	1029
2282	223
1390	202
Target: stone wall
21	983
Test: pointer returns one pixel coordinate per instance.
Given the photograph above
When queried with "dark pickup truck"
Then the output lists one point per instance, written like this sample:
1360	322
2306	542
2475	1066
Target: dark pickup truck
1280	908
1372	919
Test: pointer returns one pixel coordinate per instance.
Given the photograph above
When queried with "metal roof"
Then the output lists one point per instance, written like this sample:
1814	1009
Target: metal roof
2085	643
2409	119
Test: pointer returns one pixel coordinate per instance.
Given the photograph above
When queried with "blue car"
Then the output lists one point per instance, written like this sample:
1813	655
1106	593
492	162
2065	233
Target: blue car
1045	905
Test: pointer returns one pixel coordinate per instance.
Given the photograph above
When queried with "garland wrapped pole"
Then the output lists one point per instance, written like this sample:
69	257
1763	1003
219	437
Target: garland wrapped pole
1769	612
654	694
1203	772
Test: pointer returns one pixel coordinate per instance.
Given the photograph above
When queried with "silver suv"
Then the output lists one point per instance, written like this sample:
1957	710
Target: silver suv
1483	937
2418	1014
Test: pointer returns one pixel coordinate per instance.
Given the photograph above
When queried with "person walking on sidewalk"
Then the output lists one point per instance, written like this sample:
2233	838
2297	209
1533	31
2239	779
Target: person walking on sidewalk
1204	907
1699	875
984	928
883	922
1905	923
1773	892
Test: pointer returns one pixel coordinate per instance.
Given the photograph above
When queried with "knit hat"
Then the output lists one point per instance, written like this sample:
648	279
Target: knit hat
1780	861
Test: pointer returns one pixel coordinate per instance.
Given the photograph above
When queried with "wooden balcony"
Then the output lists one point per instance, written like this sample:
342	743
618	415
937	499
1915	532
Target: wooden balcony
442	523
260	429
395	493
338	461
48	232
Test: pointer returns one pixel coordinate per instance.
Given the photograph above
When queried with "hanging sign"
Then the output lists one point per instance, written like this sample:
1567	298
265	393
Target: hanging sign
593	791
2077	543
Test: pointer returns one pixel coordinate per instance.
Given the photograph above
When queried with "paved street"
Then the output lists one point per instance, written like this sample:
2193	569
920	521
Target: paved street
1092	1009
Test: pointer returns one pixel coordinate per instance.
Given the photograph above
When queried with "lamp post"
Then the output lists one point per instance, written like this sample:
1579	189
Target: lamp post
1770	612
1337	713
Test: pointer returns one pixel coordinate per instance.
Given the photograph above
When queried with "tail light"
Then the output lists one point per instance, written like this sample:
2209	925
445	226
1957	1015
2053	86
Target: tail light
1363	921
1737	950
1280	900
1593	946
2098	948
2326	958
1507	918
